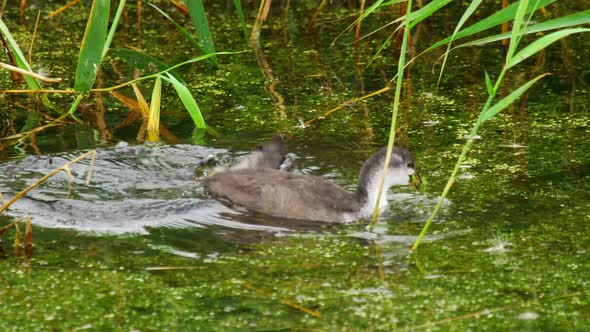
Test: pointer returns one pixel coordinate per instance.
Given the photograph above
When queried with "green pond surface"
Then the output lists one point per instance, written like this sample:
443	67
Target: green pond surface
142	248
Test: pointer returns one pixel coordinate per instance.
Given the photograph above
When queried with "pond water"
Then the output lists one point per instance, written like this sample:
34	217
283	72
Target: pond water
141	247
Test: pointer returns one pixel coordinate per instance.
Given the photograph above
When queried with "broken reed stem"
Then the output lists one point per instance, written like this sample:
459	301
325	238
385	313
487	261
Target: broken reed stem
37	91
341	106
62	9
28	73
18	196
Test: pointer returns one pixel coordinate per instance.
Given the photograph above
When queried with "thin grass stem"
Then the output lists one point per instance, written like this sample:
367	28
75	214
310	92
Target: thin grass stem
396	101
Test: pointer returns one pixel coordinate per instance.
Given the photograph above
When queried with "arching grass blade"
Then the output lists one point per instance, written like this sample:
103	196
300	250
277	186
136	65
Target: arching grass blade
189	102
144	62
506	101
557	23
540	44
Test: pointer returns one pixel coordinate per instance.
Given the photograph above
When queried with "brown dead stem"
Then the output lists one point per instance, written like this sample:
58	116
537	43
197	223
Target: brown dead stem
62	9
341	106
283	301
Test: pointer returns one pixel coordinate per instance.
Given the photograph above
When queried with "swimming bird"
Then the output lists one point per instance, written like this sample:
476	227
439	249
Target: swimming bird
307	197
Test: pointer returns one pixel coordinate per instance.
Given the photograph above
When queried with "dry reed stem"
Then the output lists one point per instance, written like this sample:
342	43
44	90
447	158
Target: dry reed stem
37	91
262	15
28	232
62	9
23	6
379	260
143	105
30	55
17	239
357	31
28	73
7	227
18	196
354	100
170	268
316	14
69	172
139	14
283	301
180	6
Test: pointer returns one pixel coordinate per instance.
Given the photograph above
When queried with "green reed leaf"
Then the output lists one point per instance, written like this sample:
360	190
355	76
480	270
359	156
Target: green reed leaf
504	15
92	47
580	18
489	84
506	101
540	44
516	26
189	102
113	29
238	5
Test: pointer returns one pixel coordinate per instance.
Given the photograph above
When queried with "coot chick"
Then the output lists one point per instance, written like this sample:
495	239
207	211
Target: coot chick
307	197
270	155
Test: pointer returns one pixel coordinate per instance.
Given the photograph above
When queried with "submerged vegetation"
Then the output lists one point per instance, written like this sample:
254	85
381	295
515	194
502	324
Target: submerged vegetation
475	273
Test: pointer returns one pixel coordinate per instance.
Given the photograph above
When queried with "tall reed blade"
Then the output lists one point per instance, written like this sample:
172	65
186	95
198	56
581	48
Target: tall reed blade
93	44
395	105
111	34
199	18
184	32
238	5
